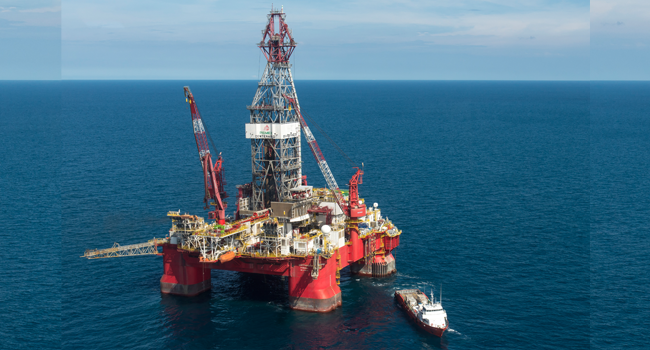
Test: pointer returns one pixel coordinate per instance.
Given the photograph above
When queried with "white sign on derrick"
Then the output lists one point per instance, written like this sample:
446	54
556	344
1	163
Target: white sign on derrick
272	130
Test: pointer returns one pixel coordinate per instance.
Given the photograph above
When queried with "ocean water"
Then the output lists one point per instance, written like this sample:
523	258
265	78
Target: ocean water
530	214
620	215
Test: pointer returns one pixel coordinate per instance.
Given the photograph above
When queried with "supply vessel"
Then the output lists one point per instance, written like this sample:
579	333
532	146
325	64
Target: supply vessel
428	314
281	225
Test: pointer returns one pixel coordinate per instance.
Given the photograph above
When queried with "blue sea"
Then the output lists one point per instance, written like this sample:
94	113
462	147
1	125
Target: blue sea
527	202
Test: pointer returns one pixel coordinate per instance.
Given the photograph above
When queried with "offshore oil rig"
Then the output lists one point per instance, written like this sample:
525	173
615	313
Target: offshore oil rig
281	226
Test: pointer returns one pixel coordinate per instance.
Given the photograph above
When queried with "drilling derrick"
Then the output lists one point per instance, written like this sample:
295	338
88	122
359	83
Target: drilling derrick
274	129
282	226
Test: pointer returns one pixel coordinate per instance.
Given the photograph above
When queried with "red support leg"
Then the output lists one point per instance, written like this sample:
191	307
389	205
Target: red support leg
377	266
355	249
183	277
316	295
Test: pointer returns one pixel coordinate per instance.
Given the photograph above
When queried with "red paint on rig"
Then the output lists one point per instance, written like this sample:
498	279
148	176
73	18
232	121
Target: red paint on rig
186	274
277	46
183	275
282	226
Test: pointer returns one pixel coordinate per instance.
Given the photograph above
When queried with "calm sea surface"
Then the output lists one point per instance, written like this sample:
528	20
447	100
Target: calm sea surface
531	215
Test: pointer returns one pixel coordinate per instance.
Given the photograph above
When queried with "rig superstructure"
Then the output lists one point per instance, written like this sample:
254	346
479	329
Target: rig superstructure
281	226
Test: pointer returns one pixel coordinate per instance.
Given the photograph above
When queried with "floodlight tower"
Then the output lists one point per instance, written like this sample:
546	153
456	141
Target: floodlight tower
274	128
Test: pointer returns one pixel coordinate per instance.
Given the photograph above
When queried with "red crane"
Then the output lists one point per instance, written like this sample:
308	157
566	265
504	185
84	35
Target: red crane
212	173
354	209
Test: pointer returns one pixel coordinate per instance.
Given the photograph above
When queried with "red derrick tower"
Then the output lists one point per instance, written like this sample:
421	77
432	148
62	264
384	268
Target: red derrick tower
283	226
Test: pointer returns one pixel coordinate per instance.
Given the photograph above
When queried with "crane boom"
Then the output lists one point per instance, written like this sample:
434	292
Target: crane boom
148	248
212	173
320	159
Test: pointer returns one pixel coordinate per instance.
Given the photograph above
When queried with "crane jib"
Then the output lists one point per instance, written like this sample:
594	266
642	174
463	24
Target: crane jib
199	133
320	159
212	172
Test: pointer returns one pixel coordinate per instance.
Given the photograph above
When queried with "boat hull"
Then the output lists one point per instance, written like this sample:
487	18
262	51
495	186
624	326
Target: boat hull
438	332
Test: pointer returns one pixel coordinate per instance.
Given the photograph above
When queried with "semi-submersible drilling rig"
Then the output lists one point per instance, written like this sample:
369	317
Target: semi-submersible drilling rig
281	226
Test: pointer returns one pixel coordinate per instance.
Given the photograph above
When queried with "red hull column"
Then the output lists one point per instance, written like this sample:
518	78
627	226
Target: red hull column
377	266
370	256
316	295
382	263
183	275
355	249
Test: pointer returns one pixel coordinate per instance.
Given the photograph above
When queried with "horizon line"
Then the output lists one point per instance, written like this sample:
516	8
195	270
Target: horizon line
256	80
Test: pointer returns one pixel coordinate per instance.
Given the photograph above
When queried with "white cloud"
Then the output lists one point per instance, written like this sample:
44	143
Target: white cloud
32	17
463	22
556	29
620	17
104	24
43	9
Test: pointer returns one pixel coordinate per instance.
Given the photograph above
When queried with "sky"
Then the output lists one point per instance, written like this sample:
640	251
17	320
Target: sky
30	40
620	40
357	39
